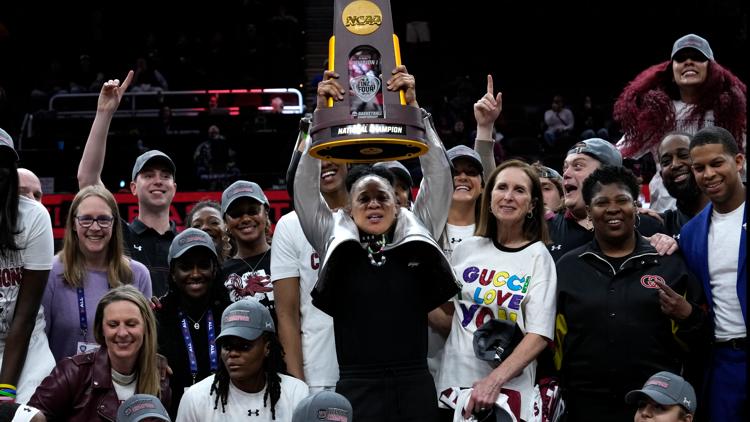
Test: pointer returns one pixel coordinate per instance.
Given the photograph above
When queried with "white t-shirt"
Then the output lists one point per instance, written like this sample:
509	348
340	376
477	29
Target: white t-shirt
36	252
197	404
454	235
723	258
293	256
518	285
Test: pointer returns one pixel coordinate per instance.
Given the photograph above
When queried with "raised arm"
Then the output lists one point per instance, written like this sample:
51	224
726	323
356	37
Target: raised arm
433	200
92	160
314	215
486	112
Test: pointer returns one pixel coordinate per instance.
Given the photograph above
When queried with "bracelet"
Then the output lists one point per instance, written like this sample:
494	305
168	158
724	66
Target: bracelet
5	393
11	386
7	399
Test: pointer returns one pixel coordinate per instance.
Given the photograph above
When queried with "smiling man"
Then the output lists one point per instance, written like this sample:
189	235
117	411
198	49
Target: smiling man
148	237
572	228
678	179
714	246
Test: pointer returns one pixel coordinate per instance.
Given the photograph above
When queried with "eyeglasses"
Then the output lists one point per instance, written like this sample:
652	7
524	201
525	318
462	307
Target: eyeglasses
470	171
103	221
693	55
244	209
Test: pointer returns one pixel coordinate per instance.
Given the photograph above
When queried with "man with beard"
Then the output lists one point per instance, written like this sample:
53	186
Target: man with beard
674	157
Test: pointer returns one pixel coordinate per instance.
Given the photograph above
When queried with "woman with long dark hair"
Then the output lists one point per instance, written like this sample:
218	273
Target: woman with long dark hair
251	379
26	250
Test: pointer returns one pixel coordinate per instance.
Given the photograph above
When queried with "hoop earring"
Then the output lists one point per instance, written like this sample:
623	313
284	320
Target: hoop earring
637	220
529	215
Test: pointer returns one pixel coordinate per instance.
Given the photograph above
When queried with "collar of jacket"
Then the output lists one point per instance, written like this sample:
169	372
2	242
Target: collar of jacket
643	250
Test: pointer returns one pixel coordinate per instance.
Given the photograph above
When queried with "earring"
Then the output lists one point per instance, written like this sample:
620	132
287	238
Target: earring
530	215
637	220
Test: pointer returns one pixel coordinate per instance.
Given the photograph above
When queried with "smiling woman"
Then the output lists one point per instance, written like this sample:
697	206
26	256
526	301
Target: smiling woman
623	311
189	316
91	262
91	386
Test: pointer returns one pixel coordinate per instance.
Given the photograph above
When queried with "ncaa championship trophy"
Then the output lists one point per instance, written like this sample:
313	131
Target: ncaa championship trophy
371	123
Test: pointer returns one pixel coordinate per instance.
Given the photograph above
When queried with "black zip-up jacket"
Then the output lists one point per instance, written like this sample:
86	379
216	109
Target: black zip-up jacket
610	328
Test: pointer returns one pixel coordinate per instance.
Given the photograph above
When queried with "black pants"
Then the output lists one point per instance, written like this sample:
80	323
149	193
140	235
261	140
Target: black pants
402	394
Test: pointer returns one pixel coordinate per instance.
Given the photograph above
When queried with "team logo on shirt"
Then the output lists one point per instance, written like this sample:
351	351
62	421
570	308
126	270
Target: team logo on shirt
649	281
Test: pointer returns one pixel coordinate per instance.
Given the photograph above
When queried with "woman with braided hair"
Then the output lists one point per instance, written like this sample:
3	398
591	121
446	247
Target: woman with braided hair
251	379
686	93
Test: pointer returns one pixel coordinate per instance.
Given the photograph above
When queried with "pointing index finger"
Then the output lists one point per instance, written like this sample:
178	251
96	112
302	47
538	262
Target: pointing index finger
666	289
490	86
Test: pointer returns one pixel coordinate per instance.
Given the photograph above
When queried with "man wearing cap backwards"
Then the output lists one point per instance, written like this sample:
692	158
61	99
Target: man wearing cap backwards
250	384
665	397
714	244
149	235
686	93
572	228
305	331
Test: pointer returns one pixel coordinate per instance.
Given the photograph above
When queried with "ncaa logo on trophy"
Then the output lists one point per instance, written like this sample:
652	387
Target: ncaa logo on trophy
371	124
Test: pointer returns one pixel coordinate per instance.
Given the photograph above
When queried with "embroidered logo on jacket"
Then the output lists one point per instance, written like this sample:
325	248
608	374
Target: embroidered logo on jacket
649	281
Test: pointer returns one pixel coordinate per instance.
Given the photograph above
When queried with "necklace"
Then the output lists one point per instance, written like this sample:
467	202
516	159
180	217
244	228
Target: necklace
253	267
379	244
196	324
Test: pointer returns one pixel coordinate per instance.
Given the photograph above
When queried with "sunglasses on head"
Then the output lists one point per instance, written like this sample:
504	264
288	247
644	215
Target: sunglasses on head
691	54
244	209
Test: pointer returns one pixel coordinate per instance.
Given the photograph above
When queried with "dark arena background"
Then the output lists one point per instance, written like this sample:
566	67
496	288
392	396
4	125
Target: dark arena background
250	67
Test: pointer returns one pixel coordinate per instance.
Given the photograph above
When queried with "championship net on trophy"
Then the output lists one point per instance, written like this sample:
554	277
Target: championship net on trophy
371	123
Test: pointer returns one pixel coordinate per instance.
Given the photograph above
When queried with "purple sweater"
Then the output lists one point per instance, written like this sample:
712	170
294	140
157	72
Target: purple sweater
60	303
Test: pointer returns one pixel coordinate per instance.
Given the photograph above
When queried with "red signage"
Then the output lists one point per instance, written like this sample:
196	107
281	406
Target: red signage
58	206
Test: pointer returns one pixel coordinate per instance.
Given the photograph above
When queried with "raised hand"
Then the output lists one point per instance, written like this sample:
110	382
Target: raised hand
488	108
402	80
329	87
112	92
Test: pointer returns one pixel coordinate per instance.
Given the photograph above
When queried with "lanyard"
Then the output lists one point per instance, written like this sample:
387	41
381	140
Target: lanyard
82	313
213	356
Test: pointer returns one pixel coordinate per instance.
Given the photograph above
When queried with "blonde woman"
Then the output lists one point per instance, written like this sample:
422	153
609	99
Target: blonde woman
91	386
91	262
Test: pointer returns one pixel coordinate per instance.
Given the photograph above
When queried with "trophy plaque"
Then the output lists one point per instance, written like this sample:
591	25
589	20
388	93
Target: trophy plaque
371	124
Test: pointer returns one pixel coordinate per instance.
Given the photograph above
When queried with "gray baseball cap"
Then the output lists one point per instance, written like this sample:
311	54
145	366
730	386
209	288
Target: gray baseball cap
600	149
142	406
695	42
246	318
188	239
666	388
398	170
148	156
7	141
242	189
462	151
323	406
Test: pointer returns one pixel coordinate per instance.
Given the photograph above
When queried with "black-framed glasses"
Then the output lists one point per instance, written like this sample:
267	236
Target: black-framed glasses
103	221
691	54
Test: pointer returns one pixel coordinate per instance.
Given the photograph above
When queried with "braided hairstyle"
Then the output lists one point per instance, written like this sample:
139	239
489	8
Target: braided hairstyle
273	365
